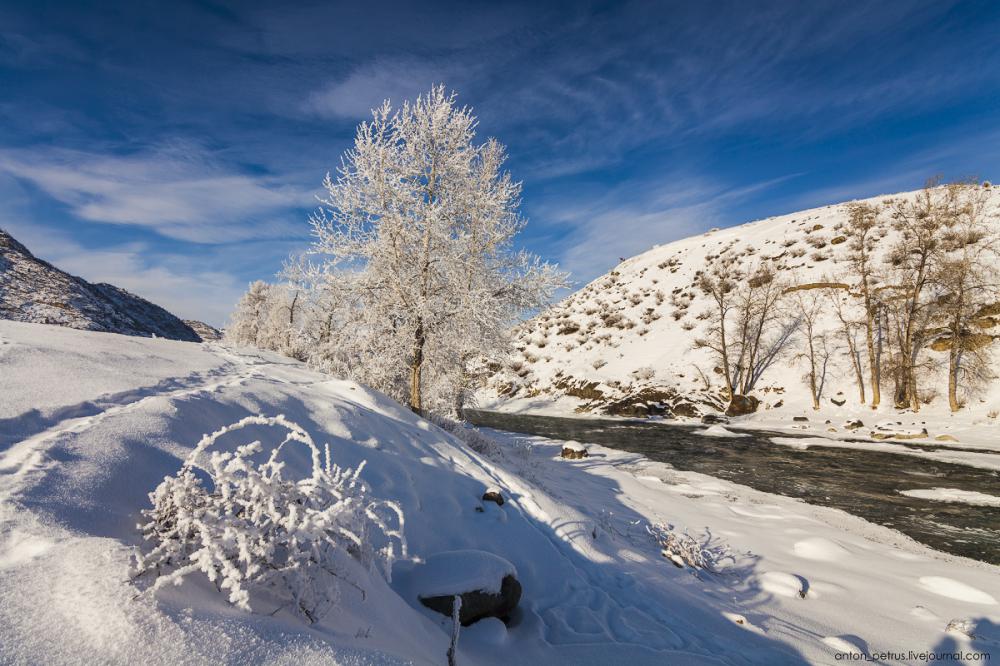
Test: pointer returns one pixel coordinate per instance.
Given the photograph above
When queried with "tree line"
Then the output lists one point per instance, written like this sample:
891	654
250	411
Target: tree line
920	274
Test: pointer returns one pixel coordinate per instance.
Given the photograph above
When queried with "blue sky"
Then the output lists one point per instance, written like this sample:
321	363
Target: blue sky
176	149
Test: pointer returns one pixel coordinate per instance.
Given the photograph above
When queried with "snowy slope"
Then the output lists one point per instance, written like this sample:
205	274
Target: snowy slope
33	290
626	340
92	422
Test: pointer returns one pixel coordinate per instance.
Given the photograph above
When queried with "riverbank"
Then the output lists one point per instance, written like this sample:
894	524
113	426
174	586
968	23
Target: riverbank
814	575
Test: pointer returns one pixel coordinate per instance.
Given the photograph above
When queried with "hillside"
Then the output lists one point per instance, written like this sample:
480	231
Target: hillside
94	422
35	291
625	344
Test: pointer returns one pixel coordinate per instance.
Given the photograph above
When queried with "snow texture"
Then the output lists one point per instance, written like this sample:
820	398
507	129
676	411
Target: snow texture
459	571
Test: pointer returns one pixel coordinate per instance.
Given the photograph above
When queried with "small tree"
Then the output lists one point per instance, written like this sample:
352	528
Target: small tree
249	319
746	329
809	306
852	331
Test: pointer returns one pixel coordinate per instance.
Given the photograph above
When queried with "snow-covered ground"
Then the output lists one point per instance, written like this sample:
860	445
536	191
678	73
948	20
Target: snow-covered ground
90	423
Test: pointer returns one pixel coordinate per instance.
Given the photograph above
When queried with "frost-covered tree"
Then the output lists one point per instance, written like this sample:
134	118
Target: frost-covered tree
416	234
272	317
248	318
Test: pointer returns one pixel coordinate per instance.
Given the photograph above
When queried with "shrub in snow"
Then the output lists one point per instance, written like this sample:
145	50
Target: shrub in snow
470	435
685	550
644	373
250	528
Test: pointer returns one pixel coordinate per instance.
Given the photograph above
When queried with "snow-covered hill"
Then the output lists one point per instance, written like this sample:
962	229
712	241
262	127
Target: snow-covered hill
625	343
32	290
92	422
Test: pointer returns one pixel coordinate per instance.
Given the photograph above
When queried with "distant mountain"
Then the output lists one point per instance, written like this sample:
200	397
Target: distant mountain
35	291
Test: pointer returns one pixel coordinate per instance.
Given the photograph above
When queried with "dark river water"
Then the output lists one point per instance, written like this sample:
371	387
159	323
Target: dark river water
864	483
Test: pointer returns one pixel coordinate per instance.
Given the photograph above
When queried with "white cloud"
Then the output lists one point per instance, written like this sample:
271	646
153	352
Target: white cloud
367	86
177	191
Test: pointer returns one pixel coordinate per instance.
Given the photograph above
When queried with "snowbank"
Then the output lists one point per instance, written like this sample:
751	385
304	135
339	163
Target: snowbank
953	495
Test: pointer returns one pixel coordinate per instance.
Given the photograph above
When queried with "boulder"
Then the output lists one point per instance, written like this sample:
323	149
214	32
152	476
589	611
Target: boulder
486	583
493	495
839	402
714	419
854	425
741	405
800	419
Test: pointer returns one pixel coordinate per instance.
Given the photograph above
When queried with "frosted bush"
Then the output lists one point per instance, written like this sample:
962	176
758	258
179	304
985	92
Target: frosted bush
471	436
250	528
685	550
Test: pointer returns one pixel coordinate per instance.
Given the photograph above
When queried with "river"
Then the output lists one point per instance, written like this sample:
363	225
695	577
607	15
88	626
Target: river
864	483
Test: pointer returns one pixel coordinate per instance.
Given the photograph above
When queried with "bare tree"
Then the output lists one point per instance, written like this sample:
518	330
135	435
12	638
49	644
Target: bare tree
745	327
922	224
969	281
862	228
762	335
809	309
719	284
851	330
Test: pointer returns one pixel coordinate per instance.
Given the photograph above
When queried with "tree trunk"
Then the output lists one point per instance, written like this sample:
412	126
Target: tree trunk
954	363
872	361
859	374
416	366
953	388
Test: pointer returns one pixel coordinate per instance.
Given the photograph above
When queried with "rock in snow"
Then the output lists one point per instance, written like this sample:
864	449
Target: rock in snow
486	583
35	291
494	495
574	450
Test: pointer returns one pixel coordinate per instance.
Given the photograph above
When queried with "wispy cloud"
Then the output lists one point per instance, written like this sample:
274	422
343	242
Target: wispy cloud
631	219
176	191
367	86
